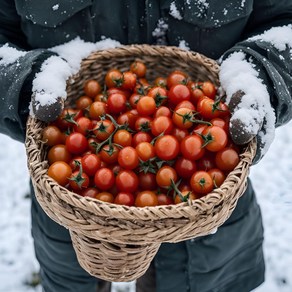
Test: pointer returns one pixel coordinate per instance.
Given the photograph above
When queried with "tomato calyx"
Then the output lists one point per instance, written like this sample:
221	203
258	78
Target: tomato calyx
111	150
147	166
106	141
101	127
174	187
145	127
159	99
216	105
94	145
140	91
98	146
78	179
208	138
117	126
190	117
68	117
153	164
202	182
118	81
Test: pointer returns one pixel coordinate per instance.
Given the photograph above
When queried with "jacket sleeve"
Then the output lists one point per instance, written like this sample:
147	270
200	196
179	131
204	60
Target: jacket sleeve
268	41
18	63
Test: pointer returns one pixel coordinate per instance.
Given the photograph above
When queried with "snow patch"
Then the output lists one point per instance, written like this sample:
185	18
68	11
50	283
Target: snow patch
9	55
280	37
184	45
174	11
56	7
160	32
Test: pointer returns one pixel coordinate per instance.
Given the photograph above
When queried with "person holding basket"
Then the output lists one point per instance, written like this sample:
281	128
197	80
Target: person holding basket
252	41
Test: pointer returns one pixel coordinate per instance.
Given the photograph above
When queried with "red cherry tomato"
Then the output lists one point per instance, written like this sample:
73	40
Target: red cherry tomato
83	125
147	181
128	158
218	176
141	137
138	68
90	164
127	181
113	78
103	129
209	89
167	147
76	143
125	198
129	80
185	167
146	105
227	159
145	151
176	77
89	192
78	180
116	103
97	109
52	135
161	125
182	118
104	178
165	176
83	102
208	108
202	182
178	93
215	138
164	199
123	138
191	147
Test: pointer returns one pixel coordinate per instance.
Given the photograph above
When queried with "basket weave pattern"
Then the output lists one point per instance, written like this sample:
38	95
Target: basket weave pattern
114	242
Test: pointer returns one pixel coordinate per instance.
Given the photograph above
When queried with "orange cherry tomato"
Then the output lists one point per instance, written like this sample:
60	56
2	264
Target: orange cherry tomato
60	171
146	199
202	182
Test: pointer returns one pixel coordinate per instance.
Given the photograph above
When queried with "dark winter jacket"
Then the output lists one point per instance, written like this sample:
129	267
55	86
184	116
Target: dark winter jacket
231	258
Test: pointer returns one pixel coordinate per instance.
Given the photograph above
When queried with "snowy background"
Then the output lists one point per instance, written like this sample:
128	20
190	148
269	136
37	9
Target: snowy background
271	179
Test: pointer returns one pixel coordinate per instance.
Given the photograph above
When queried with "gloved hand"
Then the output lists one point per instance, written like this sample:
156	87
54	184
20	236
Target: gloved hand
248	99
49	85
49	88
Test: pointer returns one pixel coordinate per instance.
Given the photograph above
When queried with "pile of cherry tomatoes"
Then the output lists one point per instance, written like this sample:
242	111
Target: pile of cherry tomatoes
138	144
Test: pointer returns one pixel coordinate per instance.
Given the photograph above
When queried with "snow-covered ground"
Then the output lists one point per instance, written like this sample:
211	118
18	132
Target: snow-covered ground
271	178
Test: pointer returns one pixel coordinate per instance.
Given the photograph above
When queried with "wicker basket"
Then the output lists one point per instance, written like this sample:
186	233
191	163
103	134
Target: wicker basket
114	242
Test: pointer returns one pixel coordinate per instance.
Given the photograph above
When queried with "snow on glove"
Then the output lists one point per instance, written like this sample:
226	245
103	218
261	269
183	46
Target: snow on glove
49	89
49	85
248	99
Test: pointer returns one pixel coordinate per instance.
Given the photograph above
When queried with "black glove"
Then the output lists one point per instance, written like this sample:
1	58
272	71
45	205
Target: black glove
248	99
48	112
